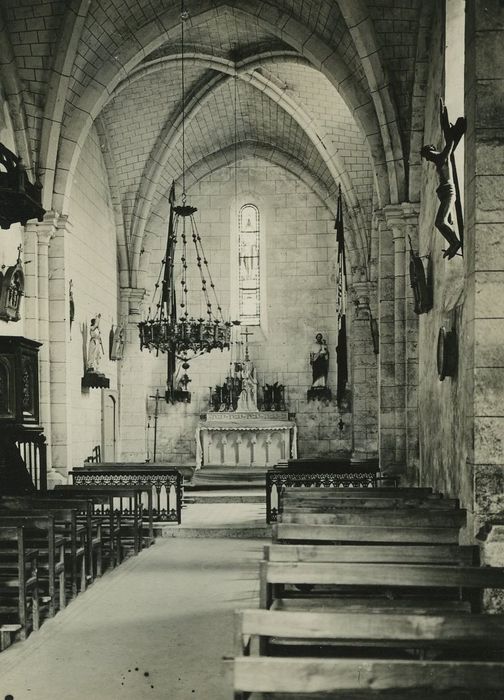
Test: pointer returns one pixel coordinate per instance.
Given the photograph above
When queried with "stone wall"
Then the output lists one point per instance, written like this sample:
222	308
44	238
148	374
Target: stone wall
442	404
90	261
299	264
484	369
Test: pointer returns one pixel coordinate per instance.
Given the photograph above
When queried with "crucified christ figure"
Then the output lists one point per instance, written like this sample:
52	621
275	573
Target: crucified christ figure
446	191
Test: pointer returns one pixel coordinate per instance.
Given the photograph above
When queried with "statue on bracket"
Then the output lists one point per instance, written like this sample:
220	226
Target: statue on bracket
11	290
448	189
92	376
319	361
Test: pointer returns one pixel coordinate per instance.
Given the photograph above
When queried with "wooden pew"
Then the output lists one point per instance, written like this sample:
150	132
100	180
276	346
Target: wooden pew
370	517
84	516
322	505
453	555
364	679
99	511
40	534
19	591
66	525
390	534
131	516
401	580
387	498
480	636
361	492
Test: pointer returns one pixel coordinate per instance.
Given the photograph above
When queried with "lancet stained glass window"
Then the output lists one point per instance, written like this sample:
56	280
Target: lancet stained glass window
249	271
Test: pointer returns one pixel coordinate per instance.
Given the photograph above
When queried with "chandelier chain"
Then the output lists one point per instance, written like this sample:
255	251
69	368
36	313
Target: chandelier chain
184	15
208	273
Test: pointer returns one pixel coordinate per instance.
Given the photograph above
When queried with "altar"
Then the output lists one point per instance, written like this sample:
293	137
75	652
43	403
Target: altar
253	439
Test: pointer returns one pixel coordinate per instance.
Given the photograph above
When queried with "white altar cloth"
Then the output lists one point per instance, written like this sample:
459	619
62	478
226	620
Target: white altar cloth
245	439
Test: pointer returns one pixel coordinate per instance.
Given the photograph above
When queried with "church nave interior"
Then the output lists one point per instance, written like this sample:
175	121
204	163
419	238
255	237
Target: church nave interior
251	298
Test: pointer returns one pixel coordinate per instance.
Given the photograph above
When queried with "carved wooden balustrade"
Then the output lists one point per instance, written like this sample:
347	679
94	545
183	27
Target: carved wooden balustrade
322	473
166	483
33	450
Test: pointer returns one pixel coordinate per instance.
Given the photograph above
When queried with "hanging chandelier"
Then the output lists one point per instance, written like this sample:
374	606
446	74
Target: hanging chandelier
170	327
187	336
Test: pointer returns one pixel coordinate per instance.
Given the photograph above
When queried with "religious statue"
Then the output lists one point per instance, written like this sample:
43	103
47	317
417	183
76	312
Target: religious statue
445	168
319	360
117	345
95	345
247	401
93	354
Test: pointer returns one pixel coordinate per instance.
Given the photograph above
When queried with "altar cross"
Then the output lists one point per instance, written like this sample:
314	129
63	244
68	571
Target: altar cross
156	398
247	333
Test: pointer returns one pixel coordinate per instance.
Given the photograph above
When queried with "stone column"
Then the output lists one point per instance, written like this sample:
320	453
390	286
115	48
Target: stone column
59	330
411	319
386	366
132	380
482	341
31	312
364	365
403	221
37	237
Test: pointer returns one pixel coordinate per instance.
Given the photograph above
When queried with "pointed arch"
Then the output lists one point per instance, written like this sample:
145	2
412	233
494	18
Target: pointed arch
57	89
357	255
169	136
152	35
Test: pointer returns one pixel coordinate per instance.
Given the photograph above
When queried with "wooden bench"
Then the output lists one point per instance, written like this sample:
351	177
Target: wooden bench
300	532
359	492
98	510
399	580
453	555
370	517
84	517
322	505
19	592
66	525
40	534
267	631
130	515
366	679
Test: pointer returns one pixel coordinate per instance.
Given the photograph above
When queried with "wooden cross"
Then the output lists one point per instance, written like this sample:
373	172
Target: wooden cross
247	333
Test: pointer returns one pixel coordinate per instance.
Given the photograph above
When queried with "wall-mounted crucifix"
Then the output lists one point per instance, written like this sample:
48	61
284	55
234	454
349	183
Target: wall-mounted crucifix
448	190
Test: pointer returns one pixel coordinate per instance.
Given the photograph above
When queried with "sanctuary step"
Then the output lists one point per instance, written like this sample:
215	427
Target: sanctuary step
248	495
218	478
234	520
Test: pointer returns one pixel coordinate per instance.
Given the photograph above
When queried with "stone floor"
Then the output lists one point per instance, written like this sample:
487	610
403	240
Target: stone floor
156	627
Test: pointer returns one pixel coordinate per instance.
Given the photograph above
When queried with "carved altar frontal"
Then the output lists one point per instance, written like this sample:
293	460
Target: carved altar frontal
256	439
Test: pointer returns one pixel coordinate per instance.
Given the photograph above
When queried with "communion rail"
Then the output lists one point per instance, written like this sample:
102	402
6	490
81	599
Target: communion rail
166	484
331	474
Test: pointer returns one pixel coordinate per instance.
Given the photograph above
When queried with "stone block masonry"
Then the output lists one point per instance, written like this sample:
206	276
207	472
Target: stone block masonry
300	301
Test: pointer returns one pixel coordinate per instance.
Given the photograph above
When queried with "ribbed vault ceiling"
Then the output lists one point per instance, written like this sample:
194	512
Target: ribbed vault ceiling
326	83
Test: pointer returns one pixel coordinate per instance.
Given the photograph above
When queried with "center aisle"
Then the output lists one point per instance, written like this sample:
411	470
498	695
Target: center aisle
156	627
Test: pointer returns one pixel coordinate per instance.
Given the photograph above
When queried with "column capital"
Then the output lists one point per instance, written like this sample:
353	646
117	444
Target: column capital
134	297
400	216
46	229
362	293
